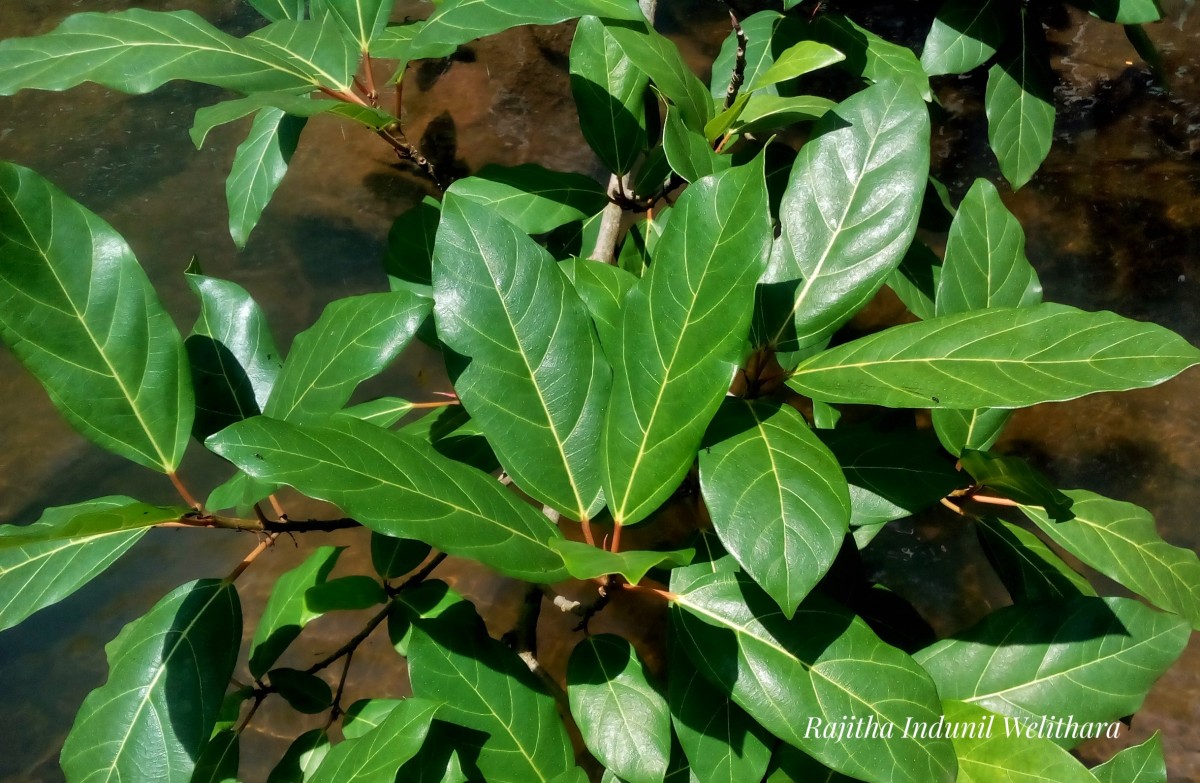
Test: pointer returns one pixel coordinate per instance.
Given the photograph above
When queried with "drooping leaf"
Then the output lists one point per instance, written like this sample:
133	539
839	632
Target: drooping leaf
304	692
822	666
220	759
287	610
1142	763
1016	479
259	165
79	313
777	497
623	717
43	563
997	358
400	487
376	756
1092	658
302	758
295	104
1020	107
362	20
354	339
849	214
608	90
1119	540
658	57
795	61
395	557
767	112
965	35
589	562
602	287
346	593
683	331
870	56
533	198
990	751
1028	568
160	694
457	22
532	373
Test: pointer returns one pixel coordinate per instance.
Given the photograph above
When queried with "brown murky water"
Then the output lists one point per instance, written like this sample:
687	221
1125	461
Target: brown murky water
1113	222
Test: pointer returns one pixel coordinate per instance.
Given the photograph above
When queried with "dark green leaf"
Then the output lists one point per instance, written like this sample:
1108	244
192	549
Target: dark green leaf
287	610
997	358
160	694
240	492
659	58
394	557
409	260
683	331
400	487
259	165
623	717
376	756
965	35
303	692
608	90
915	281
1016	479
219	761
1119	540
79	313
438	760
460	21
345	593
688	151
870	56
1123	11
795	766
383	412
302	758
1142	763
602	287
989	752
454	435
974	429
534	199
365	714
315	48
1028	568
1020	107
776	495
589	562
295	104
531	372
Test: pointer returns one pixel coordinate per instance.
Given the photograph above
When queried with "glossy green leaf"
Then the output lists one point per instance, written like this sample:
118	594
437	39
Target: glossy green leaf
795	676
689	152
346	593
383	412
1029	569
776	495
365	714
975	429
302	758
760	53
438	760
454	435
658	57
395	557
1015	479
239	492
534	199
279	10
870	56
588	562
43	563
159	693
376	756
362	20
608	90
1123	11
848	215
623	717
965	35
295	104
353	340
460	21
220	759
315	47
1119	540
287	610
233	355
988	752
767	112
1092	658
602	287
304	692
997	358
683	331
791	765
400	487
1142	763
137	51
259	165
531	372
1020	107
795	61
79	313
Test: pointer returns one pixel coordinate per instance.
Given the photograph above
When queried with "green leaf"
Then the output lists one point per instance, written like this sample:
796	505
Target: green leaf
220	759
588	562
376	756
409	260
689	152
400	487
623	717
454	435
683	331
233	356
160	694
395	557
848	215
315	47
975	429
760	53
608	90
302	758
795	61
43	563
1020	107
278	10
137	51
965	35
531	371
791	765
79	313
1123	11
795	676
484	686
365	714
383	412
1092	658
297	105
777	497
303	692
533	198
239	492
997	358
438	760
457	22
989	752
915	281
768	112
1028	568
870	56
346	593
602	287
659	58
353	340
1015	479
362	20
1119	540
287	610
1142	763
259	165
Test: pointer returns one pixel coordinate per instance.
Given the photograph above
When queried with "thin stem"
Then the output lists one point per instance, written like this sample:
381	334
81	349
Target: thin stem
369	75
343	95
957	509
419	576
250	558
350	646
616	538
586	524
183	491
277	507
994	501
336	709
259	697
664	594
562	603
435	404
260	526
739	63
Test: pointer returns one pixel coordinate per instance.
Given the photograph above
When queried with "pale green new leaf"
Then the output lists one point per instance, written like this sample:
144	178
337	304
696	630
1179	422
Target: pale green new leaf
533	198
767	112
377	755
354	339
457	22
259	165
1119	540
1091	658
288	610
997	358
825	664
362	20
965	34
1029	569
848	215
776	495
400	487
589	562
1142	763
1020	107
43	563
993	755
608	90
530	369
658	57
160	692
79	313
683	332
795	61
623	717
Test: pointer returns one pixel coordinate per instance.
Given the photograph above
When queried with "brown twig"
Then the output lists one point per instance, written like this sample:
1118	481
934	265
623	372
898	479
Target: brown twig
369	74
418	577
250	558
201	520
183	491
352	644
335	709
739	62
993	500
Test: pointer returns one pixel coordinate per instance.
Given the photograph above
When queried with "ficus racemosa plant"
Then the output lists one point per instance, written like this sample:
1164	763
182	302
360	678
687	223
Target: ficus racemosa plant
671	343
